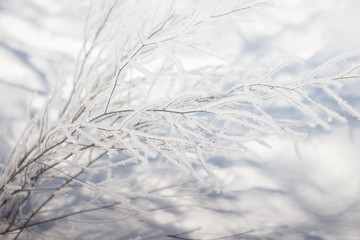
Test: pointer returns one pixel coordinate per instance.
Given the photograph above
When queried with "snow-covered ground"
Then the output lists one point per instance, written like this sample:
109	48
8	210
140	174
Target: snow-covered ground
275	195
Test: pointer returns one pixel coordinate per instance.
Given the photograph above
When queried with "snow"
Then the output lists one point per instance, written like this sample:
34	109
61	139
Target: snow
275	194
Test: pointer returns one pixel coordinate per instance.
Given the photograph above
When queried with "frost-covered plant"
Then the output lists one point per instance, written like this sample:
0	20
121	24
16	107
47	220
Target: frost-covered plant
148	89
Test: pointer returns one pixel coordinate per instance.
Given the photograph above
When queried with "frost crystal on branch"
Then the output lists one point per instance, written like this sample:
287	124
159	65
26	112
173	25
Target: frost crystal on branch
134	101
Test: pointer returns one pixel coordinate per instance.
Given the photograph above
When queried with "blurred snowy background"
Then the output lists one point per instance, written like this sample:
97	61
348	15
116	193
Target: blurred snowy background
275	195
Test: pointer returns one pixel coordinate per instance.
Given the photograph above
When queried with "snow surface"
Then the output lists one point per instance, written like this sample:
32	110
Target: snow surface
275	195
